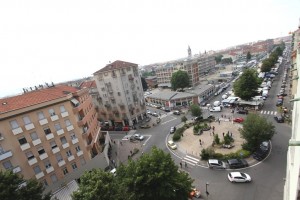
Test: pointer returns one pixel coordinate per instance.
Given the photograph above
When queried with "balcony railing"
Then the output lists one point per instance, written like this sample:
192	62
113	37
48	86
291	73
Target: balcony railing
5	154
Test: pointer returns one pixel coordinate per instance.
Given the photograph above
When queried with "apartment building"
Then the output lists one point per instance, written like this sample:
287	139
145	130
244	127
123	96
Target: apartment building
206	64
292	181
50	133
120	98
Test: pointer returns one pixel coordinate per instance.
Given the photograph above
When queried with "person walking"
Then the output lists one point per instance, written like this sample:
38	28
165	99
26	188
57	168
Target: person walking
185	164
180	164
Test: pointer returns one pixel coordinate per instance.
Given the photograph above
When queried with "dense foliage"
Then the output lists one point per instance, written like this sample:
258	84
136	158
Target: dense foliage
248	57
195	110
179	80
269	63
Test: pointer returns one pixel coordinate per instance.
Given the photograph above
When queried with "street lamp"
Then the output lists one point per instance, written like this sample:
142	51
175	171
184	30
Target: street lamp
207	193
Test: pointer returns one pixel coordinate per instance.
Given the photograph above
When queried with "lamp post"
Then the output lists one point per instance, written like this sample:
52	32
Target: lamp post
207	193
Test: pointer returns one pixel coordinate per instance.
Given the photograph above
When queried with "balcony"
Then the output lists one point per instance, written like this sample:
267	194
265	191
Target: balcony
36	142
32	161
66	145
55	150
79	153
54	118
71	158
74	141
49	170
16	169
49	136
17	131
43	122
70	128
39	175
43	156
61	163
5	154
60	132
29	126
64	114
25	146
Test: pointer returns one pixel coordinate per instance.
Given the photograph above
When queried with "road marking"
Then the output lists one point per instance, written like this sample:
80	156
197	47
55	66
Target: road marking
190	160
275	113
271	112
147	139
261	112
169	120
268	112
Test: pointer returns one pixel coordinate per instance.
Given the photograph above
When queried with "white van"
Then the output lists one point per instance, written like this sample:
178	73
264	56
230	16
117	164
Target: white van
257	98
265	93
217	103
216	109
224	96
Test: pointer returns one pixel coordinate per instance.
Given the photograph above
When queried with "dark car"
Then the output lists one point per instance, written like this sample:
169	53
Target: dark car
279	102
197	119
259	155
279	119
237	163
244	112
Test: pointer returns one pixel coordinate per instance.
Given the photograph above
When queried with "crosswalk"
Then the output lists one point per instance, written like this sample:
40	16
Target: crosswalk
190	160
267	112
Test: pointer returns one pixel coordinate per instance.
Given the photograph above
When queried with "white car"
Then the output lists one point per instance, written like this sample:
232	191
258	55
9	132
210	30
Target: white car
138	137
239	177
172	145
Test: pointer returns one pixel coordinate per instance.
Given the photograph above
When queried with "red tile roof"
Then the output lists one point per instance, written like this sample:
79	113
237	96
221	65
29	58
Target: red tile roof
88	84
118	64
35	97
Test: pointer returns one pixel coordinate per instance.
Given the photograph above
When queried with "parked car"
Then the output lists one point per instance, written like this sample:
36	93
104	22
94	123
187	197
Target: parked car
239	177
279	119
176	112
216	164
145	126
125	128
195	193
216	109
238	120
244	112
259	155
172	145
172	129
118	128
138	136
155	114
265	146
237	163
279	102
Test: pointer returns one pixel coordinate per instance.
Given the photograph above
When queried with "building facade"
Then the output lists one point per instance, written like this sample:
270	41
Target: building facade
206	63
120	98
50	134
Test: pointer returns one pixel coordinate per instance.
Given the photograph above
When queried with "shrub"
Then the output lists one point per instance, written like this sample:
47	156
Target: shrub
216	139
207	153
176	136
243	153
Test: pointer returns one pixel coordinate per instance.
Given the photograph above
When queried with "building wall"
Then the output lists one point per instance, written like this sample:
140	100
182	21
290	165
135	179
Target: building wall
35	154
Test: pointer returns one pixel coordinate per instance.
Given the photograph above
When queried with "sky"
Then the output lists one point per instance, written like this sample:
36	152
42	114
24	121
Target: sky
61	40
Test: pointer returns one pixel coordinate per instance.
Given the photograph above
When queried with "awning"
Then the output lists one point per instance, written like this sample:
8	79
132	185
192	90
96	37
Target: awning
75	102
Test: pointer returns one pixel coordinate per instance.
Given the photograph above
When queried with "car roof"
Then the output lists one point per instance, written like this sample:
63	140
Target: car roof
231	161
213	161
235	173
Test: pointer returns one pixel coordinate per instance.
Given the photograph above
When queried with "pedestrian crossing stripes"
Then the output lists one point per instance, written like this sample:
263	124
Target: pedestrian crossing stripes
267	112
190	160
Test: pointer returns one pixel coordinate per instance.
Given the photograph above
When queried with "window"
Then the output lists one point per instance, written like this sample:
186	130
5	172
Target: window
41	150
119	93
73	136
67	122
7	165
37	169
62	108
53	144
74	166
34	136
47	130
26	120
57	126
29	155
51	112
82	161
63	140
65	171
22	140
41	115
14	124
47	164
69	153
58	157
77	149
53	178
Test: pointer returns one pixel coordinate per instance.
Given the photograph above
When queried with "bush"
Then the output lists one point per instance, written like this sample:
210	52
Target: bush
227	139
207	153
176	136
216	139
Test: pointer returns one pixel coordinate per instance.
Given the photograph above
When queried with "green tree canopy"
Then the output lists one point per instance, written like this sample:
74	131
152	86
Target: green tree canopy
255	130
179	80
226	61
248	56
146	74
184	119
153	176
218	58
266	65
144	84
10	188
195	110
246	86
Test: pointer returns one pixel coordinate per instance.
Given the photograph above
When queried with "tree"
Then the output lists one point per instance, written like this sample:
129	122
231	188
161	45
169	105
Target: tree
96	185
146	74
144	84
255	130
218	58
266	65
183	119
248	56
180	79
246	86
10	188
154	176
196	110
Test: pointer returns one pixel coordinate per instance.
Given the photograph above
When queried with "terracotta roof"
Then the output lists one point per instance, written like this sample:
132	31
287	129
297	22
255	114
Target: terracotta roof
35	97
88	84
118	64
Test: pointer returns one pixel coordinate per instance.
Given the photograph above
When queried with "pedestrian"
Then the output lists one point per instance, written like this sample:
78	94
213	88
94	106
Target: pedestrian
213	133
222	115
228	133
231	134
223	134
219	121
120	142
130	152
185	164
200	141
180	164
213	128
